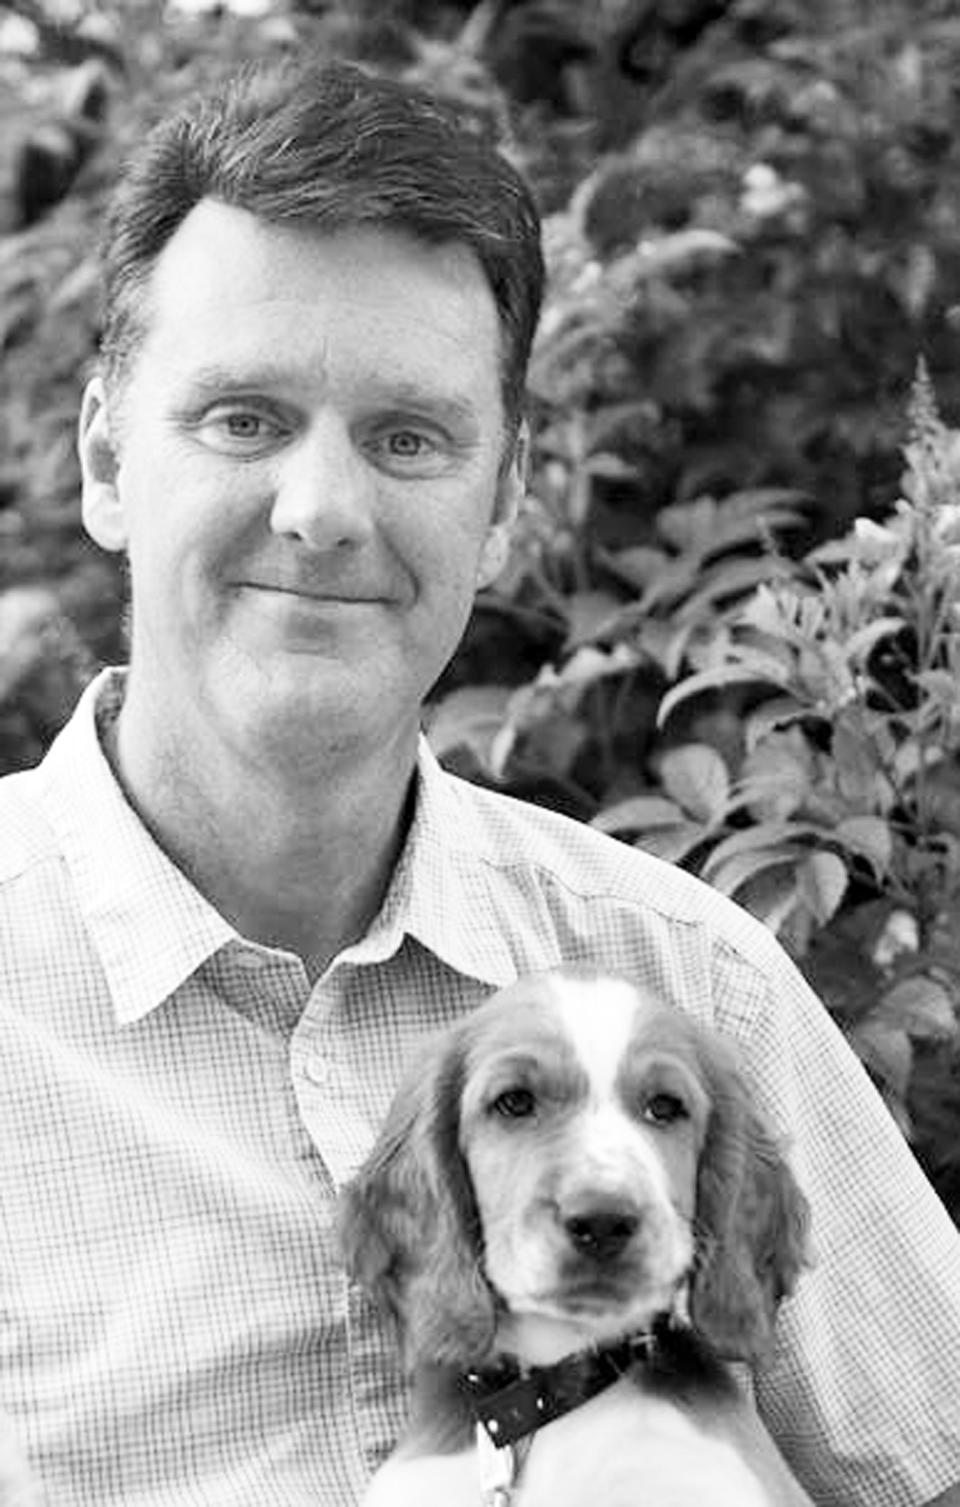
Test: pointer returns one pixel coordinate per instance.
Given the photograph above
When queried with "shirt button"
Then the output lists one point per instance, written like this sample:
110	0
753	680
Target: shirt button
318	1070
251	962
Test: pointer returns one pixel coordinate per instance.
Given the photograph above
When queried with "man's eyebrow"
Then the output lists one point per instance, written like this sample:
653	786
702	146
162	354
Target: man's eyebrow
404	394
208	381
400	394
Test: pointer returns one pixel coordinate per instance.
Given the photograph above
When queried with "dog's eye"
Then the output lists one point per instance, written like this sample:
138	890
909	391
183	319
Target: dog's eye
664	1109
514	1104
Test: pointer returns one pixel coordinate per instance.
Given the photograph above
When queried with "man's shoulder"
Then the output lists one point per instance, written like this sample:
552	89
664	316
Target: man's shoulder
509	831
488	826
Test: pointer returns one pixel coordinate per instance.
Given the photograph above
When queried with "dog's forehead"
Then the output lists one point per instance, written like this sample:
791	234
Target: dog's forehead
599	1023
612	1023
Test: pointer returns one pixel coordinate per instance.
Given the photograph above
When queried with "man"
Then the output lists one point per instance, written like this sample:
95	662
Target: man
239	891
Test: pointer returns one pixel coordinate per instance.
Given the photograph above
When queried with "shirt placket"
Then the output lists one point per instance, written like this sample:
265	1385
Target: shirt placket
335	1108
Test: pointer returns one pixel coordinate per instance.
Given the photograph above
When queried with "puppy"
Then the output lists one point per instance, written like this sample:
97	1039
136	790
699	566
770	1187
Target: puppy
575	1216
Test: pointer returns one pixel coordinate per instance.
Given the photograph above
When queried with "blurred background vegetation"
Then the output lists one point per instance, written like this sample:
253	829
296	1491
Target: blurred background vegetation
729	628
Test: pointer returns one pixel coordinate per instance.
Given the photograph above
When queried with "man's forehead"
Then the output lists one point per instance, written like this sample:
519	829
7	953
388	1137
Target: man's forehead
234	248
231	290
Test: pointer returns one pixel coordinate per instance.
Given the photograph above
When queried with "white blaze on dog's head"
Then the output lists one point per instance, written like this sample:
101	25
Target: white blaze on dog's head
583	1116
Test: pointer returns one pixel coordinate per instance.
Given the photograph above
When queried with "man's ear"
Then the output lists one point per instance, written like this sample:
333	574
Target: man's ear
511	488
103	516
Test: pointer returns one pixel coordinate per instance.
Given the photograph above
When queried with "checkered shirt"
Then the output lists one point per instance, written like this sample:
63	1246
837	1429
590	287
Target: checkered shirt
178	1109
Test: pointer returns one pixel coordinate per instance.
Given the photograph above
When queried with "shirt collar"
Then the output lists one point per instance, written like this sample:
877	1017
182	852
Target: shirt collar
153	929
447	892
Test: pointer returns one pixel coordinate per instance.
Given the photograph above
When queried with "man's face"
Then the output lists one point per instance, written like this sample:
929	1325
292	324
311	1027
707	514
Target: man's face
309	480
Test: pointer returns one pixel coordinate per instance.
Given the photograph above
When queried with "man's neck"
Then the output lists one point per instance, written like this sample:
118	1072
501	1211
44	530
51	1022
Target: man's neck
297	857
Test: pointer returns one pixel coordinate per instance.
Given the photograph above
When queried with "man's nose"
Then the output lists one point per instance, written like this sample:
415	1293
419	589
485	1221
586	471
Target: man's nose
324	490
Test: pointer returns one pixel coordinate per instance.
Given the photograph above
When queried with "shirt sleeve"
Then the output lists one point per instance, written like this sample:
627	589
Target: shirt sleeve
863	1390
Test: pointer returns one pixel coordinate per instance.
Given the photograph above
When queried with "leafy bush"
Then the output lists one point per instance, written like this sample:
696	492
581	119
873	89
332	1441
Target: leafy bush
846	784
809	154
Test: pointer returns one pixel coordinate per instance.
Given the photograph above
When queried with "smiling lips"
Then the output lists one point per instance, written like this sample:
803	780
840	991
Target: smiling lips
333	594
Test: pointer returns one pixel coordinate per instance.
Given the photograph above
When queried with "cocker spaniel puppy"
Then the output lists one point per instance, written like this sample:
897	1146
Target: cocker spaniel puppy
575	1216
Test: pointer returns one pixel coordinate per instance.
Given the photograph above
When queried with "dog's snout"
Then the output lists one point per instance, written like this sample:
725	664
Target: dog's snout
602	1231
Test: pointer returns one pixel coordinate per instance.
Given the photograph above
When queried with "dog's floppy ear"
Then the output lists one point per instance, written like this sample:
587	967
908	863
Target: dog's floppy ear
409	1228
751	1222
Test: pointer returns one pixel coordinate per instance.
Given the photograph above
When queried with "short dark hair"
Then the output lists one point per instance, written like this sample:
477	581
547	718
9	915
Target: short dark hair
332	147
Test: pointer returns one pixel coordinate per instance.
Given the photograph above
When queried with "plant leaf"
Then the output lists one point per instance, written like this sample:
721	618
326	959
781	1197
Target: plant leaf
470	718
727	579
778	775
638	565
730	876
821	884
921	1006
764	835
696	776
673	844
755	667
676	252
589	664
638	814
605	463
588	612
859	771
859	644
772	898
868	837
773	715
885	1049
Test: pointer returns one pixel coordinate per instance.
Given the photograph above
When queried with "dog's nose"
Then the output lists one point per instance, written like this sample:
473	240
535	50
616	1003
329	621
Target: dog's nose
602	1231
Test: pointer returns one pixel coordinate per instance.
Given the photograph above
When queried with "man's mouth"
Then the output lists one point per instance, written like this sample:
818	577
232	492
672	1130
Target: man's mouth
332	595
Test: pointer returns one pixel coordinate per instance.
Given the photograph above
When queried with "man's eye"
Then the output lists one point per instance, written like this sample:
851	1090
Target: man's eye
410	451
238	431
665	1109
244	426
406	444
514	1104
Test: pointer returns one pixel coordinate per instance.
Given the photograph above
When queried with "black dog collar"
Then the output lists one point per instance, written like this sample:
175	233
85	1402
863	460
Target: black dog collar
511	1403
